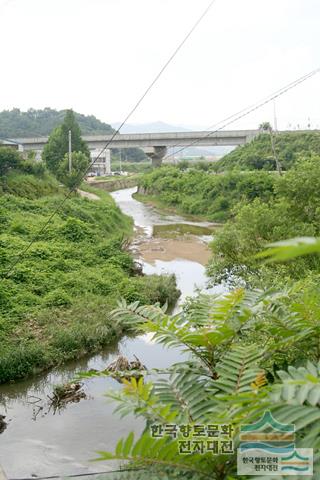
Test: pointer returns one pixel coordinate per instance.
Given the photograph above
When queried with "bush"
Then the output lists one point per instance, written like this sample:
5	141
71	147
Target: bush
31	167
75	230
10	159
257	155
200	192
29	186
162	289
57	298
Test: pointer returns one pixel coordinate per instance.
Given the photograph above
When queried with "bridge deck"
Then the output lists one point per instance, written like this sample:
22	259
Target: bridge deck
203	138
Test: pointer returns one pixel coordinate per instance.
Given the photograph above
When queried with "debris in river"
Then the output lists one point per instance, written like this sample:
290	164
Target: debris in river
121	368
66	393
3	424
138	268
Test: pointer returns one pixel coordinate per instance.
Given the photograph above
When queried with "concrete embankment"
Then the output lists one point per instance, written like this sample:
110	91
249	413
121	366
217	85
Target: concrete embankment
112	185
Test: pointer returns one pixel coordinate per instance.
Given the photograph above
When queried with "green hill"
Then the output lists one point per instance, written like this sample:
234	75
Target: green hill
36	123
257	155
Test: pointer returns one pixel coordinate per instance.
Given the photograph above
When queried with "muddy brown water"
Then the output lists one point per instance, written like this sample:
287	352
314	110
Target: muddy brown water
38	443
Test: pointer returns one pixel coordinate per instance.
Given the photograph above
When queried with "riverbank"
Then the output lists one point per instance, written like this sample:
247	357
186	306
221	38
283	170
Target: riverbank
54	305
154	201
111	184
205	194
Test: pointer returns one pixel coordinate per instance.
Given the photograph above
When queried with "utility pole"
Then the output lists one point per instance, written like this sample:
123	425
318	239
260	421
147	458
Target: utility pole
275	122
120	160
70	152
266	127
275	155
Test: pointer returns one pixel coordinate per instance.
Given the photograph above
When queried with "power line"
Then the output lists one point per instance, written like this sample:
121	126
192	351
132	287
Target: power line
154	81
75	475
246	111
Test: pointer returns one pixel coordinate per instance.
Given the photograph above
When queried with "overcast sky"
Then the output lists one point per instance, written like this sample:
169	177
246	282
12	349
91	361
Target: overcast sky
98	56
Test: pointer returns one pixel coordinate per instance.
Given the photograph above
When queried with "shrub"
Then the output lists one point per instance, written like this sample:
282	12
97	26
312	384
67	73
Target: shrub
10	159
257	155
57	298
200	192
29	186
75	230
32	167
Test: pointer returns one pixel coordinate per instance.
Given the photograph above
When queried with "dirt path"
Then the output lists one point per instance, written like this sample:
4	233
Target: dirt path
90	196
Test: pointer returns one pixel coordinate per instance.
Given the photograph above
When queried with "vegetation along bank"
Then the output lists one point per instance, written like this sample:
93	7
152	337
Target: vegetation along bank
54	303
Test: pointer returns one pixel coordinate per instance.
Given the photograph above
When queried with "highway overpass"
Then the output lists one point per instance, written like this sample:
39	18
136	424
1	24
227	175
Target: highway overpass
154	144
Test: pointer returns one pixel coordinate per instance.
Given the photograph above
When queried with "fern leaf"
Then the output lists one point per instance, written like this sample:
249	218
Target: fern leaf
162	453
238	369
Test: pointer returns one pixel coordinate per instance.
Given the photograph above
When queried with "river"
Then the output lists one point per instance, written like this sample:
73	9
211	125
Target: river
39	443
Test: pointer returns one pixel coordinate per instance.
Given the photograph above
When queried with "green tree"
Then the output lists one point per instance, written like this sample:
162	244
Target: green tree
80	163
58	143
301	186
9	159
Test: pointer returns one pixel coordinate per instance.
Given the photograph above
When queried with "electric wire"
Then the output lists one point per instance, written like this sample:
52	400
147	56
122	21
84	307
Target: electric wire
75	475
244	112
132	111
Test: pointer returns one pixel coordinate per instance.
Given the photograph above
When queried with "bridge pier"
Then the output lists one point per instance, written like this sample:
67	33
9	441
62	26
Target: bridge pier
156	154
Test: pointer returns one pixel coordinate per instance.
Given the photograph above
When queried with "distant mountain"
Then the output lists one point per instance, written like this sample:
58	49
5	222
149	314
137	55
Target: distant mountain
37	123
154	127
162	127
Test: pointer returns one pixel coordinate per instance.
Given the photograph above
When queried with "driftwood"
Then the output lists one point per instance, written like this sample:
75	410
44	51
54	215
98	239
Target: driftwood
121	368
3	424
138	268
67	393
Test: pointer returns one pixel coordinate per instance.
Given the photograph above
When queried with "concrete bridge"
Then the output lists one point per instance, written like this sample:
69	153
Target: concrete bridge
155	145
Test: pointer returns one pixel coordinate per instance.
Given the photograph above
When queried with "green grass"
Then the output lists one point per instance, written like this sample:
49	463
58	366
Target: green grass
175	230
110	184
29	186
54	305
132	167
116	178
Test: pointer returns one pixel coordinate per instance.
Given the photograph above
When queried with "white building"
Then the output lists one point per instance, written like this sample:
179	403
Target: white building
101	162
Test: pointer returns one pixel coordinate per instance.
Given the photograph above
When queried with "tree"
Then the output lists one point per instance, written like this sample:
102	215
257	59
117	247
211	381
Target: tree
58	143
9	159
80	163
